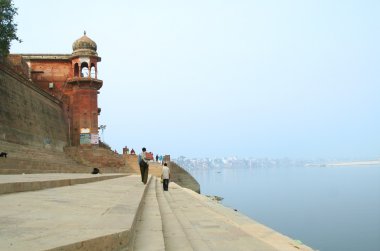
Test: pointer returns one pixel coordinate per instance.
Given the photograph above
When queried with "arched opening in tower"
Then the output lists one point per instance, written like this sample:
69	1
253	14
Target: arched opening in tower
84	70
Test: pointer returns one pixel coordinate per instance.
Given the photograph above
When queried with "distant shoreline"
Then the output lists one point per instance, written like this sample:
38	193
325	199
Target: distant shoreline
349	163
356	163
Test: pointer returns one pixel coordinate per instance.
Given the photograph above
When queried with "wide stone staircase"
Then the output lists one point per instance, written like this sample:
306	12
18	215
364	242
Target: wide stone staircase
187	220
118	212
32	159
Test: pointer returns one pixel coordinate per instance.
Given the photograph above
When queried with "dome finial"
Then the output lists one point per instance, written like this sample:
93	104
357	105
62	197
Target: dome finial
84	33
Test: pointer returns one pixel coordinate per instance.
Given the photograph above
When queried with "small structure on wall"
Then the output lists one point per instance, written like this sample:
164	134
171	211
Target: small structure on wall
166	158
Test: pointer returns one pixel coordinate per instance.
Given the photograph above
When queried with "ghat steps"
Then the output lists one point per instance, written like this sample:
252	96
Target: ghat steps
32	159
118	212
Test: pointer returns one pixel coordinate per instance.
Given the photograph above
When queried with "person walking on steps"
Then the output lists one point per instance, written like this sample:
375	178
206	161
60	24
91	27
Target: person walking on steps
144	166
165	176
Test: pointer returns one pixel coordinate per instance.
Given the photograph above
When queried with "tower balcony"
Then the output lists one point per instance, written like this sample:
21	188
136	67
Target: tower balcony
85	82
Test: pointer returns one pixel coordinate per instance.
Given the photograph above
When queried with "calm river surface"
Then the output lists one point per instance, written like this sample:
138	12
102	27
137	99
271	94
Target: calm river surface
327	208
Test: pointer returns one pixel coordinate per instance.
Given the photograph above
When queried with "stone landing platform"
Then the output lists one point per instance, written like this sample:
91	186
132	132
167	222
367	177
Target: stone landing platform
118	212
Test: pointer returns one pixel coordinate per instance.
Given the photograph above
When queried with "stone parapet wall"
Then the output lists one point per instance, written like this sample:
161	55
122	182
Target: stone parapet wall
131	162
17	64
94	156
183	178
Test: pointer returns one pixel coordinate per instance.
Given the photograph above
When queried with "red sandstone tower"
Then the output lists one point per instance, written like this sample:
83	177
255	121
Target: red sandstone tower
82	91
72	78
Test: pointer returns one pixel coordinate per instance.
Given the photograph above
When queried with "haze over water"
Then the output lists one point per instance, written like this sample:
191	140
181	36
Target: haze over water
327	208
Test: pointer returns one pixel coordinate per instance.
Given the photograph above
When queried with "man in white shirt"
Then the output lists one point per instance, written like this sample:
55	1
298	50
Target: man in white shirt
165	176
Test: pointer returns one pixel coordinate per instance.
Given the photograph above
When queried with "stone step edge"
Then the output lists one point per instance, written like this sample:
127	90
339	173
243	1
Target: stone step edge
110	242
140	208
116	241
27	186
170	224
146	205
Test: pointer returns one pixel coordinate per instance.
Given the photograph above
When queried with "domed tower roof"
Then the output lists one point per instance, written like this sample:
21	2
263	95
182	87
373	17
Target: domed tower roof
84	46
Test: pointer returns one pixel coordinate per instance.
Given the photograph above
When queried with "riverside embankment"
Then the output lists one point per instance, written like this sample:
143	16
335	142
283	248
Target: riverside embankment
120	213
80	211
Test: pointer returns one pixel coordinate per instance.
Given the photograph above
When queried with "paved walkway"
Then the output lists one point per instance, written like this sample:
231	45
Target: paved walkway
121	213
91	216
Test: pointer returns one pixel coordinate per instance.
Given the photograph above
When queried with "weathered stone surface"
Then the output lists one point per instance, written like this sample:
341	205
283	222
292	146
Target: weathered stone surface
28	115
92	216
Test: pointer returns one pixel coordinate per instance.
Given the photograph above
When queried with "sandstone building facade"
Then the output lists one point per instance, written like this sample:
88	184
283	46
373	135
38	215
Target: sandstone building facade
70	81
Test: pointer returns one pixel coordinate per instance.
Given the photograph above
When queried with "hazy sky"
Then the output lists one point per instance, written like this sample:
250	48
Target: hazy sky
208	78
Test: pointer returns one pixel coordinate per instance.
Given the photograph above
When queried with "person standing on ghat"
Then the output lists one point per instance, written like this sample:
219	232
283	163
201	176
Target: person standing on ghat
165	176
144	166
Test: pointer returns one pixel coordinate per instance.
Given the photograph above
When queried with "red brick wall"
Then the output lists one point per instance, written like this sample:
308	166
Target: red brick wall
44	72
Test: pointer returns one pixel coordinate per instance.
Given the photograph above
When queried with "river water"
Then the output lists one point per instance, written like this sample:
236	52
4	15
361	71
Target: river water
327	208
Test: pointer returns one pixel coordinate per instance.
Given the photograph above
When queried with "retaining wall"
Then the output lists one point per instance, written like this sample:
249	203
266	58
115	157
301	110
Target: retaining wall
183	178
28	115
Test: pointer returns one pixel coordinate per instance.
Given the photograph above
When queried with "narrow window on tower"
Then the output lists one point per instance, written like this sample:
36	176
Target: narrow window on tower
76	70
